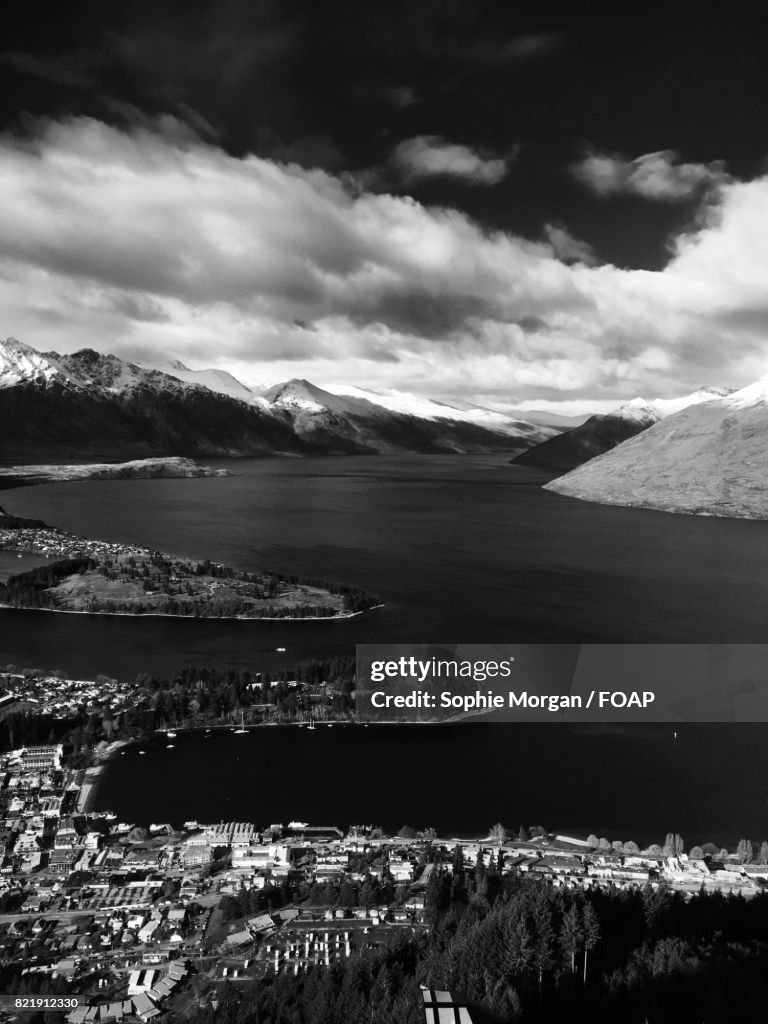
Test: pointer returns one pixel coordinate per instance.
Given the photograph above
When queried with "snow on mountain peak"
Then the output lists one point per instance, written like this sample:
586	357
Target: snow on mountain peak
753	395
650	411
220	381
21	364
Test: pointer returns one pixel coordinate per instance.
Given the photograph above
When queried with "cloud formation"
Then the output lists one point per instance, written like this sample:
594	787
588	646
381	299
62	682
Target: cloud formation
566	247
153	243
430	156
658	176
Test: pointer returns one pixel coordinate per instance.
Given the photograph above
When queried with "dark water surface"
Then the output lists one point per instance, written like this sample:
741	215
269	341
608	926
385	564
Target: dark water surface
461	549
623	783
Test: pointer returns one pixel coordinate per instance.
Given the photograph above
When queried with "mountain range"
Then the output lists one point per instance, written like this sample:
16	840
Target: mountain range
602	432
90	405
710	458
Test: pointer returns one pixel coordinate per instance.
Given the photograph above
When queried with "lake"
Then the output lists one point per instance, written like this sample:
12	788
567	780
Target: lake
619	782
463	549
460	548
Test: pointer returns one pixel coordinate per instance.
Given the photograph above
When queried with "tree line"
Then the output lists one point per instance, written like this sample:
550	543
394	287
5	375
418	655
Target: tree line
523	951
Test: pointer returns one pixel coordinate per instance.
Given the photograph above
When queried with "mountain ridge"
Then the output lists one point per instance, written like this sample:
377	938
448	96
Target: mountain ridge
706	459
92	406
605	431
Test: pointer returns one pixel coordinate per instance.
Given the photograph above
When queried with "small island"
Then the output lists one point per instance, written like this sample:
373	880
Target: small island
106	577
171	468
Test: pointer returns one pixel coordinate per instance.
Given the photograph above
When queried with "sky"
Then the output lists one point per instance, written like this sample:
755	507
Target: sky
511	203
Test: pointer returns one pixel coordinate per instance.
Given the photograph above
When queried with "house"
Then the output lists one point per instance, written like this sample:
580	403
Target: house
149	929
144	1008
141	981
66	968
261	923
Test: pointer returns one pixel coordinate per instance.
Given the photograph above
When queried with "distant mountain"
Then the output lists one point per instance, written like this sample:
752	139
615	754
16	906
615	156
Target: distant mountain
362	422
220	381
94	406
89	406
509	422
602	432
707	459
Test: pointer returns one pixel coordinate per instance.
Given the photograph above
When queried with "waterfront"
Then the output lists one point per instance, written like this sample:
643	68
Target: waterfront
619	782
460	549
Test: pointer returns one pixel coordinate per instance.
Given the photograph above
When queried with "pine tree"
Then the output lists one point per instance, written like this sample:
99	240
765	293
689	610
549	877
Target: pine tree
571	935
744	851
591	933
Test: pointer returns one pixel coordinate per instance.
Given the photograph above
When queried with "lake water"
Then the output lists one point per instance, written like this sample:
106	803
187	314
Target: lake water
12	562
461	549
622	783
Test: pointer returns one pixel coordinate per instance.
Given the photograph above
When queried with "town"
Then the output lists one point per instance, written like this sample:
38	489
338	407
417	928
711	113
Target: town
144	918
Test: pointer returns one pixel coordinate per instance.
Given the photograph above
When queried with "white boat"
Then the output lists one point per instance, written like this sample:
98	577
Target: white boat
311	724
280	650
171	735
242	729
169	746
142	751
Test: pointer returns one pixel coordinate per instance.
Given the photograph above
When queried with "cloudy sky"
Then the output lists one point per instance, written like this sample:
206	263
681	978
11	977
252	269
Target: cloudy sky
455	198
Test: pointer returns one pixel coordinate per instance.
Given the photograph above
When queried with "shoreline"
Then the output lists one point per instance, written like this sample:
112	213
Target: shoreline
94	771
198	618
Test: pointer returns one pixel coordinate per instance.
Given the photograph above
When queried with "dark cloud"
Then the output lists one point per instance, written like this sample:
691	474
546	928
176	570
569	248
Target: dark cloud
499	51
74	70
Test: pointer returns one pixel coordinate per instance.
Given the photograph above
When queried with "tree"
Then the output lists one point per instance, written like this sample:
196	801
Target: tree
673	845
498	834
744	851
571	935
591	933
592	841
696	853
544	934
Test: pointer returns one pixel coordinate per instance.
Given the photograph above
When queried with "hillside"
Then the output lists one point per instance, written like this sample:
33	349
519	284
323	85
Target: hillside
708	459
90	406
602	432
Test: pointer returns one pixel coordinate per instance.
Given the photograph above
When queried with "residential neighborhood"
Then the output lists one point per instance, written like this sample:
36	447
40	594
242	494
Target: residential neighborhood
139	919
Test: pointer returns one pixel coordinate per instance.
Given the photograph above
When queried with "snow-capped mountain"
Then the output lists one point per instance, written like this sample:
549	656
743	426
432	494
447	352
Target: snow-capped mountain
362	422
430	409
21	364
220	381
603	432
91	405
303	397
710	458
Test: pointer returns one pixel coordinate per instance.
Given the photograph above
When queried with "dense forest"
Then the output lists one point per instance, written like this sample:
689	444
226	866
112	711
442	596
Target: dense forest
523	951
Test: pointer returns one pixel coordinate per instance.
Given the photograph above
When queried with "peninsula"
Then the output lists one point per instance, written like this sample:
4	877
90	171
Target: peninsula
94	576
171	467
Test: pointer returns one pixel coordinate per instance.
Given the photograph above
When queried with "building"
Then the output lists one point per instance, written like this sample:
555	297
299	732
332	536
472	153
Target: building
39	759
441	1008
